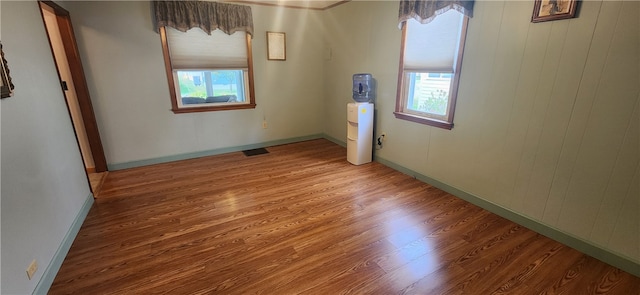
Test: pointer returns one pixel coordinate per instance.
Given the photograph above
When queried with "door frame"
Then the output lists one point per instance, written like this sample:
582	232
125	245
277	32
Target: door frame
79	81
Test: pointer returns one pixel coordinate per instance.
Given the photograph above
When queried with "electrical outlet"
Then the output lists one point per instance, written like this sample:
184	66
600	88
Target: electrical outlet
31	270
380	139
264	124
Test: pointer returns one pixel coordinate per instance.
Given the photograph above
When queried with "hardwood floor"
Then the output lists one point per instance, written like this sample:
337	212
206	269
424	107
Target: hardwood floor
96	179
301	219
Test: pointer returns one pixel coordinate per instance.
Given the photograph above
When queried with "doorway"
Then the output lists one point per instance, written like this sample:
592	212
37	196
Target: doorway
57	23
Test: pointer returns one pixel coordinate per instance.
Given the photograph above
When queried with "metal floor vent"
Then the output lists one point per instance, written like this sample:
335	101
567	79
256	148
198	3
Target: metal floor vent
255	152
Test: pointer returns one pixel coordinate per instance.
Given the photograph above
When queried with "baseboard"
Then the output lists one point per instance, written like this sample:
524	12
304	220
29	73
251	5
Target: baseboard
335	140
54	266
615	259
146	162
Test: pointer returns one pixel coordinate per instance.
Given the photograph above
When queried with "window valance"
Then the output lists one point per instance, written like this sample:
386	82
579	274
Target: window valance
424	11
208	16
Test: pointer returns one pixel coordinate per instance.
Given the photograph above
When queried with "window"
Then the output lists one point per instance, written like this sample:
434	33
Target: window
430	69
198	87
208	72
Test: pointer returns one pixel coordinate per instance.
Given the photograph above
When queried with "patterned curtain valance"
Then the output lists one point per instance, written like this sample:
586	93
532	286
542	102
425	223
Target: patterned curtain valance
208	16
425	11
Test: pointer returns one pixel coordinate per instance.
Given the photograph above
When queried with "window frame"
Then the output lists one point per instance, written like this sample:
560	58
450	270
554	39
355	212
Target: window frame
169	71
403	84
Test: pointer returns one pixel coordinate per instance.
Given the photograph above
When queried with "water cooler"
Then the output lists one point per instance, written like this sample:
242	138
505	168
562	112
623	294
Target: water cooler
360	120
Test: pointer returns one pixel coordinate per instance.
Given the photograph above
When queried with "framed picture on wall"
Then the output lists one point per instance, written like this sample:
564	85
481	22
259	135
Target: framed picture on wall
276	46
546	10
6	86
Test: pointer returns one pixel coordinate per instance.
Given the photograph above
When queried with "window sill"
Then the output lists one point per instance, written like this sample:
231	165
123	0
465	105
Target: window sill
423	120
214	108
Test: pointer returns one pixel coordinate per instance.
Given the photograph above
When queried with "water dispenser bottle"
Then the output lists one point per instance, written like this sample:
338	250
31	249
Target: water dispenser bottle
363	88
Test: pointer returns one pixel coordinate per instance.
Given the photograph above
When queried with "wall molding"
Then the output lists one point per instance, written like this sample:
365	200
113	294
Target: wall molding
335	140
152	161
52	269
607	256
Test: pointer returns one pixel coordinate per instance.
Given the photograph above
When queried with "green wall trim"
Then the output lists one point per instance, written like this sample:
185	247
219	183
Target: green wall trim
615	259
56	262
146	162
335	140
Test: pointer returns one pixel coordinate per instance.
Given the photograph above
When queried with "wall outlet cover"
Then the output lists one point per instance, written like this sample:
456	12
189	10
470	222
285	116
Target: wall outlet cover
31	270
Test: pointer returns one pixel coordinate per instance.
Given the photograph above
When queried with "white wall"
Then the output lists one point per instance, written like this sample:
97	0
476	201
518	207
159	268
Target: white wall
123	63
547	117
43	180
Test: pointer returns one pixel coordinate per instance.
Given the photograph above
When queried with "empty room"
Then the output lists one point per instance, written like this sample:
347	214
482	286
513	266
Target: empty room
320	147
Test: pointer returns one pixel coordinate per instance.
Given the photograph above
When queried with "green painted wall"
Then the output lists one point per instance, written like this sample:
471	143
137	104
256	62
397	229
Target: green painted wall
546	124
125	73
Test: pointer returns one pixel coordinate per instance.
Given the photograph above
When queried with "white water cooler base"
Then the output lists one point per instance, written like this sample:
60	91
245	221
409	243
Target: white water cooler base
359	133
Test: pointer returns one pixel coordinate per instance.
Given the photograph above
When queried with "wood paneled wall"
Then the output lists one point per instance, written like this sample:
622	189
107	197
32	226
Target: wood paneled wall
547	121
554	110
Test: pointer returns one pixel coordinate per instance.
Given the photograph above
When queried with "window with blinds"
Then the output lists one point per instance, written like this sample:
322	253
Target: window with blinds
429	69
208	72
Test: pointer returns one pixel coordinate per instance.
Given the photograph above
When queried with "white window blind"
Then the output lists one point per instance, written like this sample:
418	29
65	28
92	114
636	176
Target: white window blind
433	47
195	49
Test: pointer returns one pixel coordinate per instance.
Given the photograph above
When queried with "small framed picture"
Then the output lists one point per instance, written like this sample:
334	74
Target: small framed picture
276	46
6	86
546	10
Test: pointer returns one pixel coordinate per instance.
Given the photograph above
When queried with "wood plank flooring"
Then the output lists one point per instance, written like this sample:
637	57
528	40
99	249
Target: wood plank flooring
96	179
302	220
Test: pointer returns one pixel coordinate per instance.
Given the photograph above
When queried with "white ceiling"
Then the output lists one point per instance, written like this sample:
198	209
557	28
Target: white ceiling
311	4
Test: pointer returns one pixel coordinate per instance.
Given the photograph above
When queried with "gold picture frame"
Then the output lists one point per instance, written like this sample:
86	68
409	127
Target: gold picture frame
547	10
276	46
6	86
